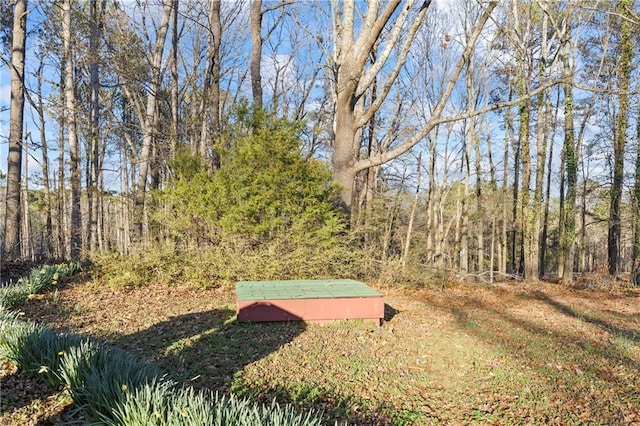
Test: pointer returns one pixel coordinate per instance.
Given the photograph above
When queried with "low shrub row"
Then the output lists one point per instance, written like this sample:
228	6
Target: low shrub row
112	387
38	280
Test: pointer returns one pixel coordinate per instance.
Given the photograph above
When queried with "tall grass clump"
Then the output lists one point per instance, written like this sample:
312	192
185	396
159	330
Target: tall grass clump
159	403
38	280
99	378
35	349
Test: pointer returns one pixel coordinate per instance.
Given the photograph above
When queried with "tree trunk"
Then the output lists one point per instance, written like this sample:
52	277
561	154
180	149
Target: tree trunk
624	70
94	152
567	232
515	264
547	198
524	111
541	154
635	252
13	210
561	208
148	122
211	92
46	184
74	146
175	89
61	204
26	242
412	215
462	221
255	22
506	220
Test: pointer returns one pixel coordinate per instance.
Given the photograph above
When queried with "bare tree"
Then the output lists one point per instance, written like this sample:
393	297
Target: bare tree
13	216
400	21
146	110
635	253
255	23
211	89
567	232
256	14
74	145
95	150
626	47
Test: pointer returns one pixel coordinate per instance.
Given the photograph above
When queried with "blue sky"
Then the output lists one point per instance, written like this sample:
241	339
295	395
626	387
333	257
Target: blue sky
5	96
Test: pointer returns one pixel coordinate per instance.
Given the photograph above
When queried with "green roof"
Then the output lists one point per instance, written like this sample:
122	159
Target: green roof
303	289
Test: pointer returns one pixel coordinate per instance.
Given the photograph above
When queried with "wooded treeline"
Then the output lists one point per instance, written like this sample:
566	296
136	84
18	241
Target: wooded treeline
490	139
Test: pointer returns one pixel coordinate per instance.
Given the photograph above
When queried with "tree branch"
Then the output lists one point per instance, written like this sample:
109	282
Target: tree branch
386	88
384	157
277	6
375	68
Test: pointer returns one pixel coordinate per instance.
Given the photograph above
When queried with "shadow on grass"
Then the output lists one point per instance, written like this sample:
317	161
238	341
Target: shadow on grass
575	371
206	349
626	333
389	312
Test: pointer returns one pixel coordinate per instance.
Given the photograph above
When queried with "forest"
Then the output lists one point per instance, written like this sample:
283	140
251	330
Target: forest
476	162
412	141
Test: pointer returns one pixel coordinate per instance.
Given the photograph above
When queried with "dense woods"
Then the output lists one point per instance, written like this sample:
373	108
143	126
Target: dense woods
403	139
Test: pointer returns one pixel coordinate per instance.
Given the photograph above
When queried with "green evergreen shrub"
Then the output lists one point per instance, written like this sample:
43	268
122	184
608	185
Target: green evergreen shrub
267	212
264	187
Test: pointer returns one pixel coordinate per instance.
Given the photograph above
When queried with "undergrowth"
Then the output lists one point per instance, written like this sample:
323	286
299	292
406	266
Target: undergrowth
226	263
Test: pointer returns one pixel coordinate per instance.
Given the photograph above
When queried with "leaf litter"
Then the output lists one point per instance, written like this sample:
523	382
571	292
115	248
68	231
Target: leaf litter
502	354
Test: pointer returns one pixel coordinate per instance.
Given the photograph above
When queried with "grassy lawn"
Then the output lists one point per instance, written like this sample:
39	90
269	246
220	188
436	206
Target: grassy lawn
505	354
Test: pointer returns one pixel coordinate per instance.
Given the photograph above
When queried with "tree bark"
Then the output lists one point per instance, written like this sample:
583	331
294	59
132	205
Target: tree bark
255	22
95	149
624	71
412	214
13	215
74	146
542	129
48	226
635	252
26	242
353	78
148	121
175	89
211	90
61	217
567	232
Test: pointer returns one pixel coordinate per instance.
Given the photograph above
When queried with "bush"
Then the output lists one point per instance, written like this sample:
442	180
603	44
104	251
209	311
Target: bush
264	187
159	404
228	262
99	378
